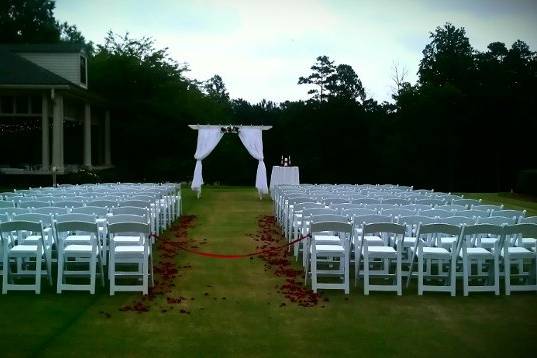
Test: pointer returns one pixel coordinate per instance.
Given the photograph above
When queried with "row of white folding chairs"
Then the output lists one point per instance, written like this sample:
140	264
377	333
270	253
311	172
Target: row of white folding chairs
394	209
385	249
166	210
27	242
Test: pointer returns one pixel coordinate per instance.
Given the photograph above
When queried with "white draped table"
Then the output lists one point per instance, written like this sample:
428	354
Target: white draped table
284	175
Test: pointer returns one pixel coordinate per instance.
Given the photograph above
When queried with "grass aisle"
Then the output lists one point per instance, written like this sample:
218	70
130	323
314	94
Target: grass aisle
235	309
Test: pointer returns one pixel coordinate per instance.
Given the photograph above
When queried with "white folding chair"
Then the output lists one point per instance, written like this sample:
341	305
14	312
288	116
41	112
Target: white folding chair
14	248
515	254
385	254
77	254
426	252
133	253
479	257
333	249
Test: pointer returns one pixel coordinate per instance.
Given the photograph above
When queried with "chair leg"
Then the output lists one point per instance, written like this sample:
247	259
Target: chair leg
59	284
38	259
420	275
507	273
399	276
313	270
93	272
453	277
145	277
346	269
366	274
466	273
496	276
5	272
112	273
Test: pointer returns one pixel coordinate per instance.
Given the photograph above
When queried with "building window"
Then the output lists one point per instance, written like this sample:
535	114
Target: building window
6	104
83	70
21	104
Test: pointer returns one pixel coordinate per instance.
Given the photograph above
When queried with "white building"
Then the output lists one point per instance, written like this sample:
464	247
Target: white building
45	86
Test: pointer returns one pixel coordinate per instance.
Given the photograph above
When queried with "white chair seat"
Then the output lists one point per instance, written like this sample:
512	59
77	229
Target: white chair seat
488	242
409	241
528	242
77	239
381	251
129	250
32	238
126	239
434	252
21	250
447	241
477	251
519	252
326	239
329	249
78	249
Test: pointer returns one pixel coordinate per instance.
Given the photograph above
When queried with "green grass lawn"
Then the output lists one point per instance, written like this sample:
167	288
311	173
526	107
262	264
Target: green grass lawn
235	309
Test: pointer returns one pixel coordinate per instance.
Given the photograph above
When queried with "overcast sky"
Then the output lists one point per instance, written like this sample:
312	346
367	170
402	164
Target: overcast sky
260	48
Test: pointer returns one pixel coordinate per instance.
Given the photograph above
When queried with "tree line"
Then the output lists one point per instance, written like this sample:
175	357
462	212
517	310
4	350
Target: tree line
468	124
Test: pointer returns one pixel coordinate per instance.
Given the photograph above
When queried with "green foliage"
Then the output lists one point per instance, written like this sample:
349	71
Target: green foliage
527	182
27	21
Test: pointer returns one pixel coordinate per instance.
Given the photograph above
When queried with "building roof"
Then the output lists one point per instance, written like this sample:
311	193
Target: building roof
16	70
60	47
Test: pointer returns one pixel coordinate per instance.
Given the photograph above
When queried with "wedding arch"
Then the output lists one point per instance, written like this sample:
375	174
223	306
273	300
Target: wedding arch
251	137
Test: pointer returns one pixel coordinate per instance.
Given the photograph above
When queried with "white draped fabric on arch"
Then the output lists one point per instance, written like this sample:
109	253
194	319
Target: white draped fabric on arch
251	137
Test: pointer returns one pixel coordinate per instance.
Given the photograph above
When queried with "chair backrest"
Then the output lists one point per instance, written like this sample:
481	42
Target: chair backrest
68	204
457	220
518	231
17	225
396	201
7	204
398	212
336	226
497	220
15	211
334	201
359	212
368	219
413	221
372	228
345	206
79	217
509	213
329	218
432	231
4	217
473	233
528	220
486	207
430	201
135	203
318	211
78	226
127	218
452	207
434	213
102	203
472	213
33	204
417	207
91	210
51	210
46	219
366	201
132	210
129	227
466	202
